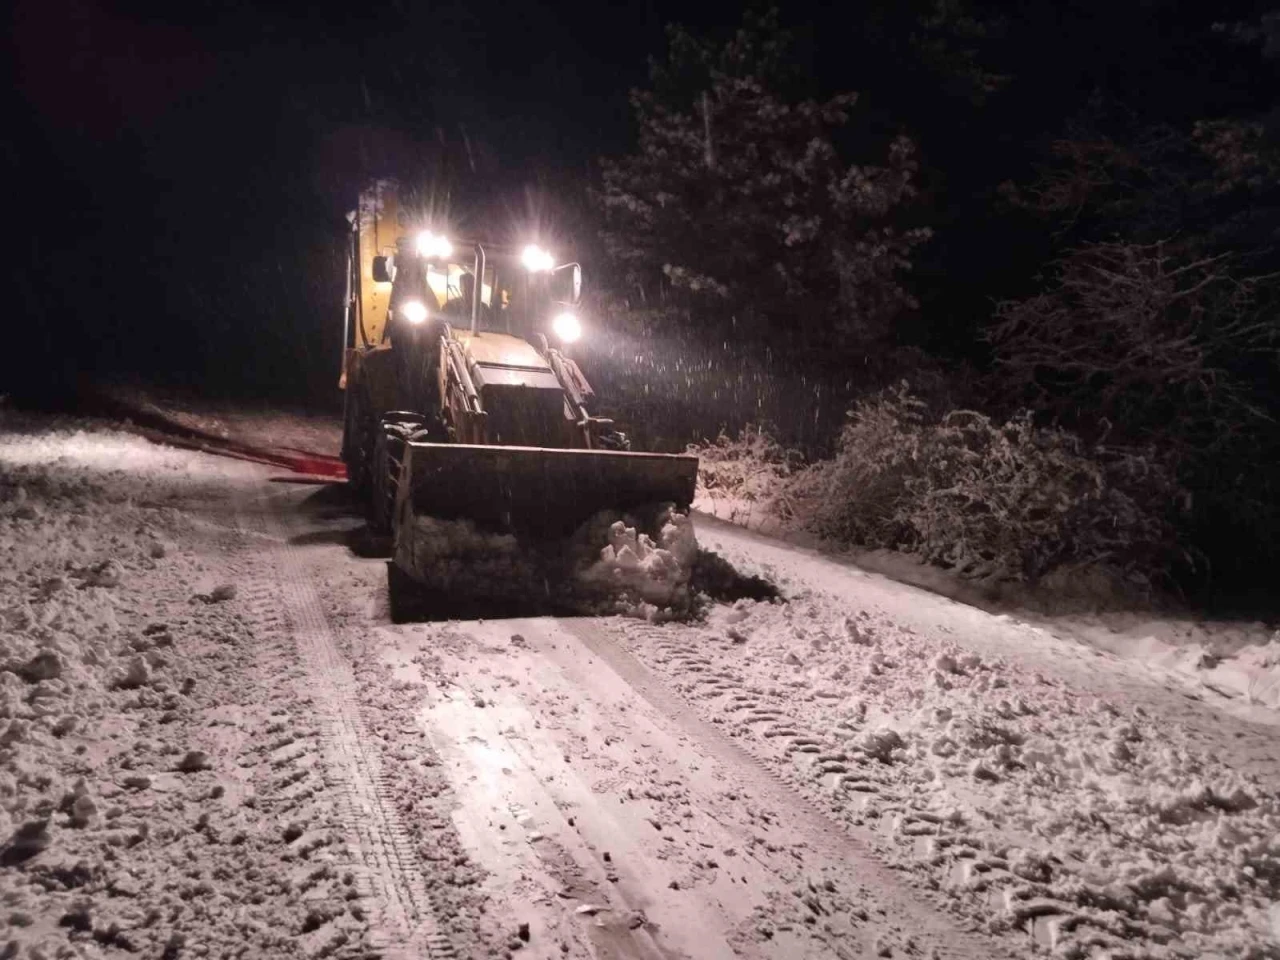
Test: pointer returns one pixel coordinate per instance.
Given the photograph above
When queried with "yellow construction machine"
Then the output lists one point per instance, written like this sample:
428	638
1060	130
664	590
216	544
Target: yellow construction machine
461	400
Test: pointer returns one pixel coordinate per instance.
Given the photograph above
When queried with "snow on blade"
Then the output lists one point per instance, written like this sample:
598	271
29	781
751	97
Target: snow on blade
456	558
640	564
649	579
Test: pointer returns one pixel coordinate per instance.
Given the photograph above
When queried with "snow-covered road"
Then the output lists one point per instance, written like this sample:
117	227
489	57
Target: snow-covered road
215	742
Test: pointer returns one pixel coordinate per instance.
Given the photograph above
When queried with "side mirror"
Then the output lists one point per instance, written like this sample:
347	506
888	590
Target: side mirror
381	271
574	293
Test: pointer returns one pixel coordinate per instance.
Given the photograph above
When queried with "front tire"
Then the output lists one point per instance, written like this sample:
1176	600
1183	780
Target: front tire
388	460
359	436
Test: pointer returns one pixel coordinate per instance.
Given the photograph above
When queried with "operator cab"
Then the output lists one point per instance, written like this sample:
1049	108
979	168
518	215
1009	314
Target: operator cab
522	293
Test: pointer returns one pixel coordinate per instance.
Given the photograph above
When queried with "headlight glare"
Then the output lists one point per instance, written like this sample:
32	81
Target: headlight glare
567	327
537	260
434	246
415	311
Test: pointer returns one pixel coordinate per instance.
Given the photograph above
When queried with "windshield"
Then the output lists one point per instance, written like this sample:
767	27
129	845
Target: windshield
512	300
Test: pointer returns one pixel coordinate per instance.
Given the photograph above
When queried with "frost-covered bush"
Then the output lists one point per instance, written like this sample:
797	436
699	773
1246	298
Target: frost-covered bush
856	496
751	468
1014	500
1008	500
1157	324
1148	342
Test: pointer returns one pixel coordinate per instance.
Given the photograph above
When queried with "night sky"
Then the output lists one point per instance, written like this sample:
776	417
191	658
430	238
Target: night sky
180	171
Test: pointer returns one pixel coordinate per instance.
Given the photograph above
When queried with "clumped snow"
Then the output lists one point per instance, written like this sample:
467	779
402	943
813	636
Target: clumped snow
646	577
1237	660
456	558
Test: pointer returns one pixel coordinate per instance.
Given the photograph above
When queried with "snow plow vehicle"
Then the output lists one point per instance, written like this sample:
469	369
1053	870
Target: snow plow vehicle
457	405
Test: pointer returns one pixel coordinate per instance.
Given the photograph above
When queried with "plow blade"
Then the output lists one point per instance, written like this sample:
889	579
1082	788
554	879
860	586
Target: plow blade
540	492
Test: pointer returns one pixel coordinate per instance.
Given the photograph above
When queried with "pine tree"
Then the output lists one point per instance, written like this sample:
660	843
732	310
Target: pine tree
737	202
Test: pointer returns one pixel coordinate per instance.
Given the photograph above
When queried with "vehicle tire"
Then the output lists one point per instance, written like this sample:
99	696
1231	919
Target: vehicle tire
359	438
388	457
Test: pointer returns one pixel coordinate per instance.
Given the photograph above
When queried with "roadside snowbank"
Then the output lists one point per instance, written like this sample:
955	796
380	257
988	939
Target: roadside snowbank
1238	659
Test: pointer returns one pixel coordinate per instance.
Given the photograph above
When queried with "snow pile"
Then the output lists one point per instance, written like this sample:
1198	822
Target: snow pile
638	564
650	567
1255	671
1235	660
648	579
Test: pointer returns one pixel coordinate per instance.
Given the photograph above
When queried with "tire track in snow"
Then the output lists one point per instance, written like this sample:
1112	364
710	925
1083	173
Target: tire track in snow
975	863
815	761
923	911
406	923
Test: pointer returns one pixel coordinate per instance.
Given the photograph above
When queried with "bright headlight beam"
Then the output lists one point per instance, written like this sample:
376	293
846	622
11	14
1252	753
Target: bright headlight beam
432	245
537	260
415	311
567	327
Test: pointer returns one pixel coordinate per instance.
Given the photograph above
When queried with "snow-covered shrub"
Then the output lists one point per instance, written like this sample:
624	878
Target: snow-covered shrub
855	497
1015	500
1146	342
752	469
1008	500
1156	323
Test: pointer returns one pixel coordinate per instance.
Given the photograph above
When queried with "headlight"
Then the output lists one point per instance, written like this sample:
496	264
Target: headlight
431	245
567	327
536	260
415	311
